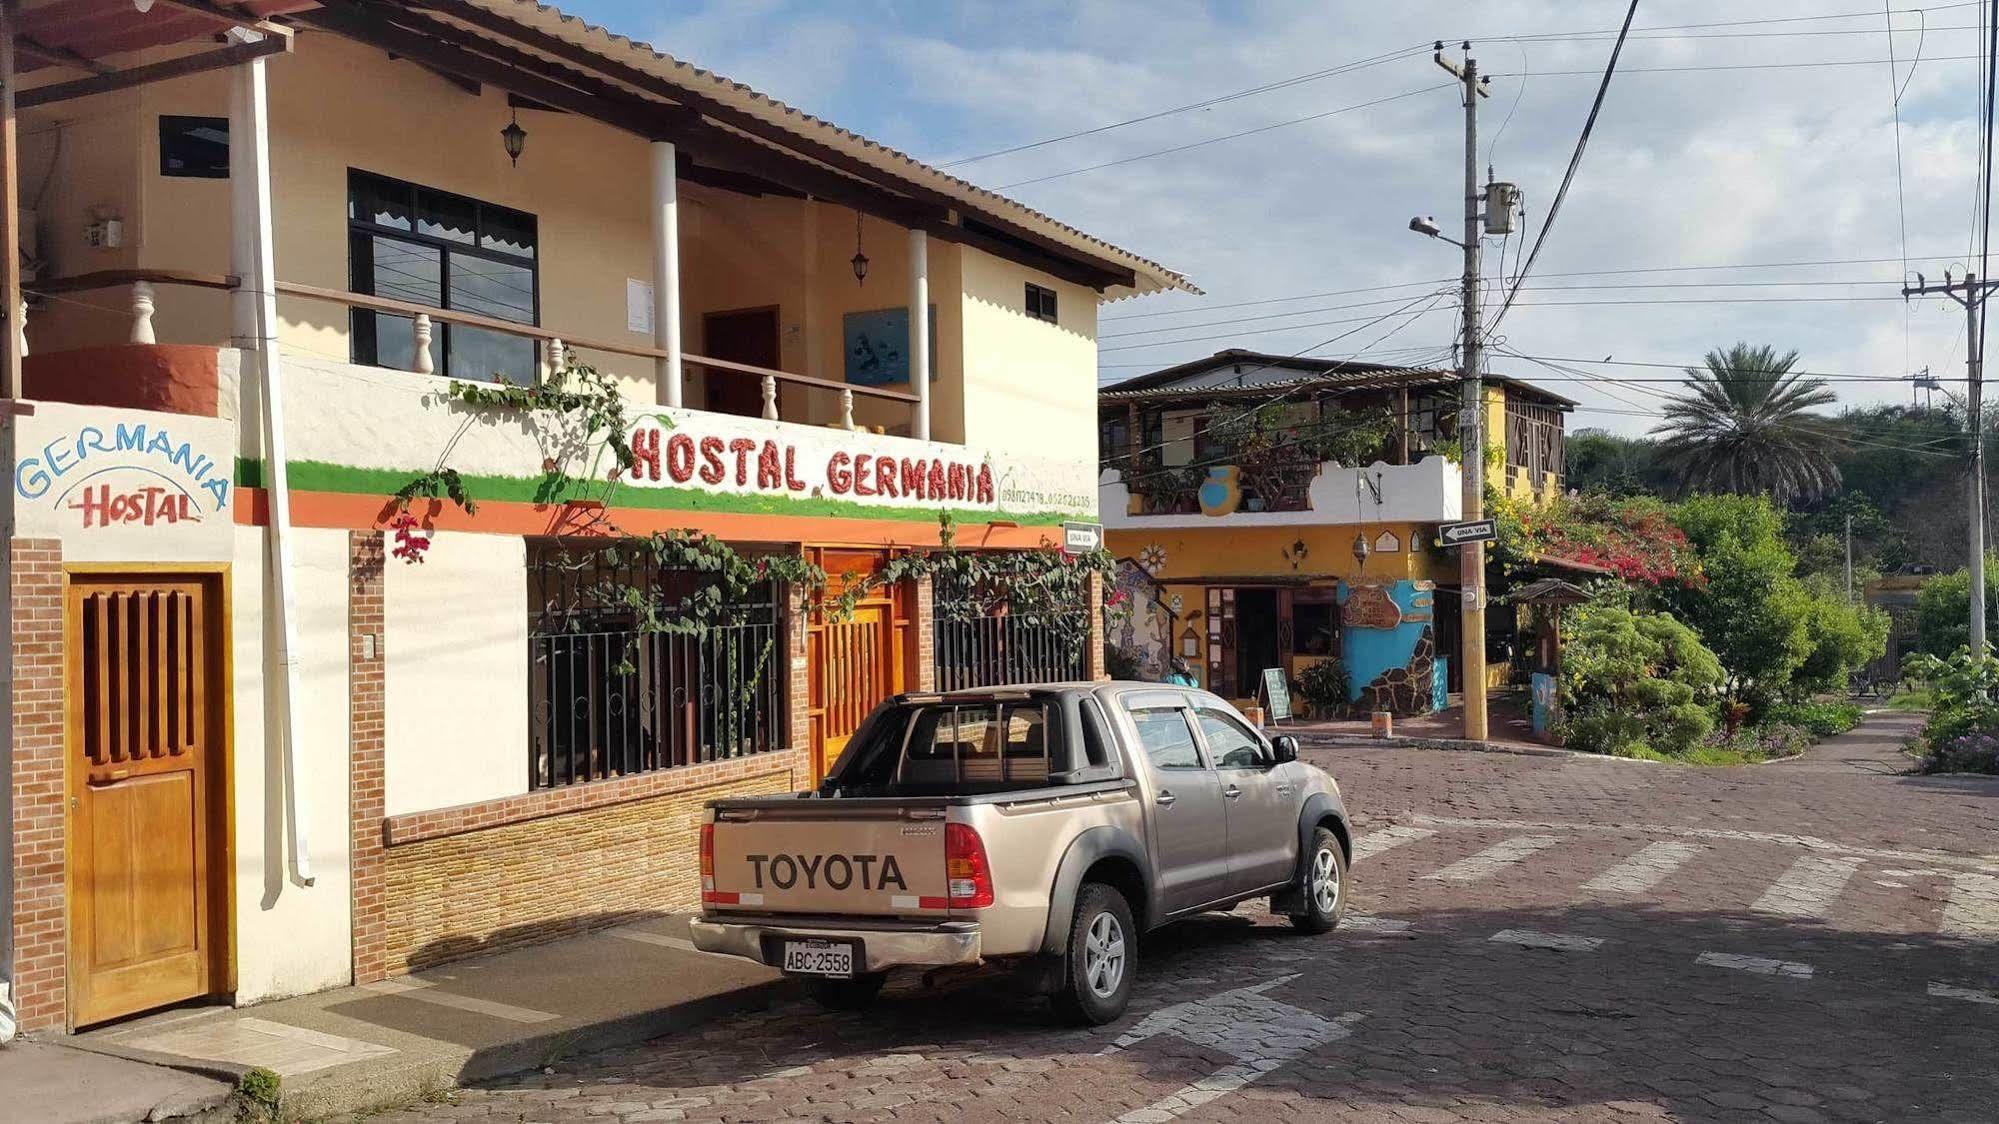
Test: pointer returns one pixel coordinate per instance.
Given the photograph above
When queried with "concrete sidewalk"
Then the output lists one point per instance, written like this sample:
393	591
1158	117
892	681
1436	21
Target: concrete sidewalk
378	1045
45	1083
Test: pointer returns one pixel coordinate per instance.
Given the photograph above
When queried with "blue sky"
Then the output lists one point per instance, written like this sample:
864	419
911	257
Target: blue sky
1688	167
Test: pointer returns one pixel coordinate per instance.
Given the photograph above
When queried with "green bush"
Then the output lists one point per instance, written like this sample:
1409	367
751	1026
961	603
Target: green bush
1963	689
1841	638
1819	719
1750	608
1324	687
1943	609
1635	683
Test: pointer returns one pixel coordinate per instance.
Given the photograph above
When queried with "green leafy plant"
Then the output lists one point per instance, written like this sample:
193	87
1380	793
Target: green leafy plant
1323	686
1635	683
259	1090
1819	719
1964	694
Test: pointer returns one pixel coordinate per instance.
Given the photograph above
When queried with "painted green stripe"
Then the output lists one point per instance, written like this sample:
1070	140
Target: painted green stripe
322	476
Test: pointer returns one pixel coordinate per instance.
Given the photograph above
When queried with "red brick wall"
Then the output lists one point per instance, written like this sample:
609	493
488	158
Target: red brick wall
40	922
1094	658
798	671
926	635
365	658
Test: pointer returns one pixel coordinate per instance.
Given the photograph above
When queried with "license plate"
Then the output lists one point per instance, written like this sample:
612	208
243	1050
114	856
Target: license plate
819	958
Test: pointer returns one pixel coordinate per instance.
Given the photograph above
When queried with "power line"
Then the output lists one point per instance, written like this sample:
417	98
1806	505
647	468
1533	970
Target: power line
1224	137
1726	66
1568	176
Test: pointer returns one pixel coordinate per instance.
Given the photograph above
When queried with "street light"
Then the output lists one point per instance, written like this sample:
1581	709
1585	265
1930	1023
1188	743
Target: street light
1422	224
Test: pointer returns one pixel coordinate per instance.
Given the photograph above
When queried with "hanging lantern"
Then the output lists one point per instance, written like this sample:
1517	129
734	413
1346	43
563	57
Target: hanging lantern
514	138
1361	549
860	260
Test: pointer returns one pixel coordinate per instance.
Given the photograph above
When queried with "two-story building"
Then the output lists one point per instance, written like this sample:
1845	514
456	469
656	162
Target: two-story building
316	672
1278	511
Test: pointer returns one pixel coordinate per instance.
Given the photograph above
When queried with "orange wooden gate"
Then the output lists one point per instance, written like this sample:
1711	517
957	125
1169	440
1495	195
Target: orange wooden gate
857	662
145	689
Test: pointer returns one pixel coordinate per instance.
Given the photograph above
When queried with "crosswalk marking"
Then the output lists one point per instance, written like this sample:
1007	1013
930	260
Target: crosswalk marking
1761	965
1644	870
1973	909
1493	859
1375	842
1809	887
1564	942
1968	994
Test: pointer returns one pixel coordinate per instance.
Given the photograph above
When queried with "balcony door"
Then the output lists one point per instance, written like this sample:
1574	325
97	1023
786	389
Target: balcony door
746	335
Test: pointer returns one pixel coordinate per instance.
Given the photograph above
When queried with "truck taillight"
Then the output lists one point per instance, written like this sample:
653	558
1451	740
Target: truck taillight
707	858
971	877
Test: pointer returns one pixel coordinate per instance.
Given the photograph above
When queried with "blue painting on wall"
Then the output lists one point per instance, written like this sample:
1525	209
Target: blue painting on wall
877	346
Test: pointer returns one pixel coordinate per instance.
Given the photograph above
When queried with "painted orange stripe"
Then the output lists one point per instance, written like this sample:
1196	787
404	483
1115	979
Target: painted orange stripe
352	512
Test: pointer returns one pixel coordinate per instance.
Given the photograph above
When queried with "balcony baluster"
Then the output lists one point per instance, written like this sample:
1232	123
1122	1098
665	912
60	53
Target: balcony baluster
420	361
142	312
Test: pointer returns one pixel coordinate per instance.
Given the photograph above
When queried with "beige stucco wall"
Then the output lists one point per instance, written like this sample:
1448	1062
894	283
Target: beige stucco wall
455	693
1027	382
336	105
291	939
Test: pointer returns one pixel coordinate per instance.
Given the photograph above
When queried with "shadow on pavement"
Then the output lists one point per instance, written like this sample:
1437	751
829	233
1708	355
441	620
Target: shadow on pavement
1443	1018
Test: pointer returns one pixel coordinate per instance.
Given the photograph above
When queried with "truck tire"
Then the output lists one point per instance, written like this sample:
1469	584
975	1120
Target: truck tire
1324	894
856	994
1101	959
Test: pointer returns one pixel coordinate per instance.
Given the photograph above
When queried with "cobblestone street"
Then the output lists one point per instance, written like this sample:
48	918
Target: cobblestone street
1532	938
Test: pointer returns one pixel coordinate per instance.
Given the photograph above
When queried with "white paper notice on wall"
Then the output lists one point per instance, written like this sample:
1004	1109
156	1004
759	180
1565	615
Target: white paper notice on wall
638	305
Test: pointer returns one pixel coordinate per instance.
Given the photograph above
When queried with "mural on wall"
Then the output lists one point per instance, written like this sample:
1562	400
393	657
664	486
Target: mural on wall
1388	644
1152	558
877	346
1144	630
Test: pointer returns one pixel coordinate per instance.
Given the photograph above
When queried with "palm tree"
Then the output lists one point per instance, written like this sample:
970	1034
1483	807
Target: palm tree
1743	425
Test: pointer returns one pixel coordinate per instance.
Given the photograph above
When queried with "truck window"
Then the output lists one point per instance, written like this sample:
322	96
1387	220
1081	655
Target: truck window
1167	740
979	744
1229	743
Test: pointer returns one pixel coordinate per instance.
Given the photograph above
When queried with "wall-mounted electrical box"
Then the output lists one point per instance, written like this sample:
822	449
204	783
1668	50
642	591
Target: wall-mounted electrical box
104	234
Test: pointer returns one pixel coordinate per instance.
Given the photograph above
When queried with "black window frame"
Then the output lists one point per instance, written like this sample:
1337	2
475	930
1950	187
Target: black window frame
362	340
1041	303
172	125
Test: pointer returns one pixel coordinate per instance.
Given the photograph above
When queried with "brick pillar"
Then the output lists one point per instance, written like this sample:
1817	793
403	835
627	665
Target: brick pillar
41	941
797	671
1094	603
365	657
926	633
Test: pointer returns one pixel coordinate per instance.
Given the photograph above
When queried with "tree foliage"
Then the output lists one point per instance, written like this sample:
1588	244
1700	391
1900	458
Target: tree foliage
1745	425
1943	610
1752	610
1634	681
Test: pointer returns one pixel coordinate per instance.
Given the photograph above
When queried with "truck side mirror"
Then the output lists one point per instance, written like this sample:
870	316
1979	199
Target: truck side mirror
1285	747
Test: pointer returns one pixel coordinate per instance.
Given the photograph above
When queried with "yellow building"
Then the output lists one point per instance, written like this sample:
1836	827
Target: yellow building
1277	511
262	242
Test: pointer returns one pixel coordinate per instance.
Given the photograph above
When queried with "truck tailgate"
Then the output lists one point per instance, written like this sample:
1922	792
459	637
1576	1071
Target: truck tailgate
808	857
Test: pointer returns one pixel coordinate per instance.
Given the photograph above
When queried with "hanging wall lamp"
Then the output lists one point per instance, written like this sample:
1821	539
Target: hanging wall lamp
514	138
860	260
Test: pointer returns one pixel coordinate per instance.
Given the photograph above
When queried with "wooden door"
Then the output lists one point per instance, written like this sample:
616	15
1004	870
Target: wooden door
145	686
748	336
856	662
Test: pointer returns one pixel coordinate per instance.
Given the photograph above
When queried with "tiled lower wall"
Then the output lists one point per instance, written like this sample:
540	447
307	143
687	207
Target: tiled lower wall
492	876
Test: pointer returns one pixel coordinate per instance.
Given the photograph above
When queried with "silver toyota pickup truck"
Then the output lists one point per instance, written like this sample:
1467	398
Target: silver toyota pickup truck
1043	827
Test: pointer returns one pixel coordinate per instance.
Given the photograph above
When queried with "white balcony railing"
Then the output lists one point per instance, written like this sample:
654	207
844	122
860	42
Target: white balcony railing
1429	491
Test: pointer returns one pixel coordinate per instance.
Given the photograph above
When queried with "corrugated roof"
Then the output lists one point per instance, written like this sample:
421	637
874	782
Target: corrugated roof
1236	371
1151	277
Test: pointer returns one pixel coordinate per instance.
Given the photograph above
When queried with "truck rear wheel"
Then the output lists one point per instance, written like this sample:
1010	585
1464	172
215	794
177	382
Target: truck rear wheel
1324	894
856	994
1102	957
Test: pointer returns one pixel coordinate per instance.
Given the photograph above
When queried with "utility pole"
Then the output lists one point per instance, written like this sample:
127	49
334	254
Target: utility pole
1970	293
1849	559
1471	416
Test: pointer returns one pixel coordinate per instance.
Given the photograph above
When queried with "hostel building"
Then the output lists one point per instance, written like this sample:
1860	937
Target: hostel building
1278	511
286	713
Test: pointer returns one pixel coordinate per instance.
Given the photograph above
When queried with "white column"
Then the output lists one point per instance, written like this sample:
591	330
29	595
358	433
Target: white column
919	332
254	317
666	271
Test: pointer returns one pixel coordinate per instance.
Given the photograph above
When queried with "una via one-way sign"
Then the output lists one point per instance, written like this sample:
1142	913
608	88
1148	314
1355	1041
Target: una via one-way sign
1466	533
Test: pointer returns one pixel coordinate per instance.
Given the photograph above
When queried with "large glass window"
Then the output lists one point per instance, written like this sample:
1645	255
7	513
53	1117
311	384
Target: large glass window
1230	744
429	247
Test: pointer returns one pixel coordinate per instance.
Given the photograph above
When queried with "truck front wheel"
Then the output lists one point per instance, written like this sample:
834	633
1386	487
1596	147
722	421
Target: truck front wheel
1102	957
854	994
